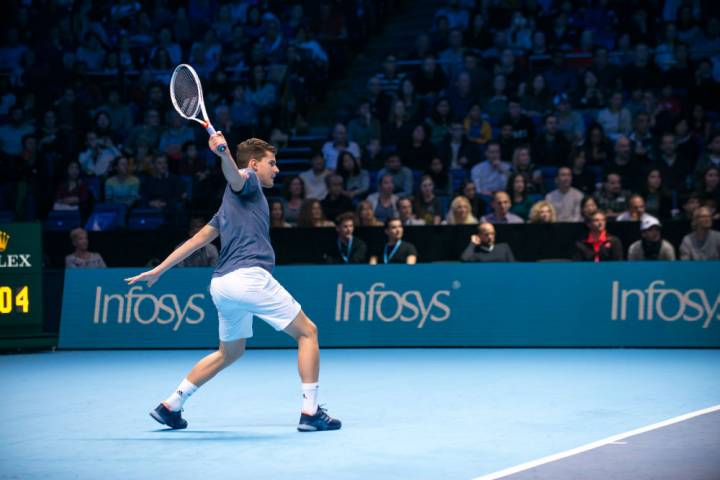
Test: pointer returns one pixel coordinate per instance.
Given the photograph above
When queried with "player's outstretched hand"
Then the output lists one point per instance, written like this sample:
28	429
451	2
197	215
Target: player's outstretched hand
151	276
215	141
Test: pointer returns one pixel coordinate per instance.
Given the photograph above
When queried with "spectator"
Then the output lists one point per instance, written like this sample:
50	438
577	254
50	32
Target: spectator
611	198
384	201
398	128
439	121
479	76
501	210
507	142
523	128
461	96
417	150
402	176
175	135
429	78
537	99
565	199
641	137
97	158
457	152
551	147
712	156
311	214
496	104
490	175
331	150
390	78
406	214
243	112
206	256
452	57
598	150
73	194
396	250
651	246
658	201
366	215
674	169
559	77
635	211
588	206
12	133
641	73
482	247
615	119
163	190
356	180
708	187
477	129
427	205
294	198
120	114
440	177
582	178
314	178
599	246
82	257
460	212
413	104
477	203
569	121
122	188
350	249
692	203
277	215
364	126
521	200
703	243
542	212
379	100
147	134
335	202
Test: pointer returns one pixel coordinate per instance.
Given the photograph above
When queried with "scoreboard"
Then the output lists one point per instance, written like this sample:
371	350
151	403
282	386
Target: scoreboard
21	298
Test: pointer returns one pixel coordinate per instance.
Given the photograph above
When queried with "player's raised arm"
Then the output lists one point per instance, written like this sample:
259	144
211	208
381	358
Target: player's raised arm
206	235
229	167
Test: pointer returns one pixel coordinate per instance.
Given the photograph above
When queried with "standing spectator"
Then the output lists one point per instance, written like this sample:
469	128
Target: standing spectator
635	211
331	150
277	215
122	188
611	198
97	158
542	212
599	245
364	126
406	214
658	201
651	246
460	212
206	256
335	202
314	178
294	198
350	249
402	176
482	247
427	205
517	188
311	214
703	243
396	250
384	201
82	257
356	180
615	119
491	175
551	147
366	215
565	199
501	210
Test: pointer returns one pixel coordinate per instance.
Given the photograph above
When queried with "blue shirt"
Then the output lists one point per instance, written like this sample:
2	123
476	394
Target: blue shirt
244	224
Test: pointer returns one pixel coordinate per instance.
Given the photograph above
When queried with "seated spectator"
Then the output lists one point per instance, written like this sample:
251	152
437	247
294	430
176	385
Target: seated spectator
406	214
711	156
451	58
380	102
294	198
635	211
709	187
277	215
642	138
384	201
122	188
314	178
335	202
356	180
704	242
177	133
417	150
350	249
478	206
73	194
588	207
402	176
496	104
332	149
565	199
429	77
457	151
624	163
396	250
482	247
522	163
162	190
537	100
501	210
97	157
439	121
12	133
599	246
440	177
542	212
615	119
477	129
582	178
551	147
366	215
373	155
691	203
658	201
651	246
611	198
311	215
490	175
569	121
399	125
461	96
460	212
521	200
523	128
206	256
390	78
82	257
147	134
598	149
364	126
427	205
414	105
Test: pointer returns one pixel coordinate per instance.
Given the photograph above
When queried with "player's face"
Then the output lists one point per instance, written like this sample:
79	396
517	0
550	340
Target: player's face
266	169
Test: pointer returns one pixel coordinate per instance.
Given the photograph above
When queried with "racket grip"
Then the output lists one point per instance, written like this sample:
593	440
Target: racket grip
211	131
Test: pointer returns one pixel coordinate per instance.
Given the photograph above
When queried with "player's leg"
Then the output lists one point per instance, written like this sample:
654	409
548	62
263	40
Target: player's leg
209	366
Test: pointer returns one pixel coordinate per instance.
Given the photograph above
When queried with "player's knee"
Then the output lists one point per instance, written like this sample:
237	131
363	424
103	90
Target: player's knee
311	330
229	355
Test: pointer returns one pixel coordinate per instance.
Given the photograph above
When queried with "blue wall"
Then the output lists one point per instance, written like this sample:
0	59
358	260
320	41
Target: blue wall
561	304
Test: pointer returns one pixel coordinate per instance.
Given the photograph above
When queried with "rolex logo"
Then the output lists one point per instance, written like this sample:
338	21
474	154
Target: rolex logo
4	239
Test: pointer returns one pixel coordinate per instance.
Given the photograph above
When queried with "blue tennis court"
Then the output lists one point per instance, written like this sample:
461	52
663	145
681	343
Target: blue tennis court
407	413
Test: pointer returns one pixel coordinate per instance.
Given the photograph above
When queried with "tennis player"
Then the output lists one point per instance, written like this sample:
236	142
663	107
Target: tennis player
243	286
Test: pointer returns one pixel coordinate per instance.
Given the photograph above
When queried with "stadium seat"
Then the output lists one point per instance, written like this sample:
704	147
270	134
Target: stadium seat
458	176
63	220
93	184
106	216
146	219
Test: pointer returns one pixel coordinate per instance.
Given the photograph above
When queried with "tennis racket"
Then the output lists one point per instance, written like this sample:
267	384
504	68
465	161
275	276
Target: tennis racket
187	97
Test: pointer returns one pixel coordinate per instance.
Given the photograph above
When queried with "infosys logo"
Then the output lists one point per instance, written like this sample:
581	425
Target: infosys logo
389	305
667	304
146	308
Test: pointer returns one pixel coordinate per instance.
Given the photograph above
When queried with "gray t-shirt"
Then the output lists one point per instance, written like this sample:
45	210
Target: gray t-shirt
244	224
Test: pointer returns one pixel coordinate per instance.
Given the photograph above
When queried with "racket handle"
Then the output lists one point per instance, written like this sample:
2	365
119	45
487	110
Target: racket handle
211	131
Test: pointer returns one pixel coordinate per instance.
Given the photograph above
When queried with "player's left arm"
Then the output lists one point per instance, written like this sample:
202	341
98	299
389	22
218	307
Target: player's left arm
206	235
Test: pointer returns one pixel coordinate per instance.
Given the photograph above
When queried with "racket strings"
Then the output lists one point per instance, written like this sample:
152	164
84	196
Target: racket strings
186	92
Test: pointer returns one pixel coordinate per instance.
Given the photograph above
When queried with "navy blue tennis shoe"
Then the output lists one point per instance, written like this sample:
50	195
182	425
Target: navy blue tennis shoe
319	422
164	415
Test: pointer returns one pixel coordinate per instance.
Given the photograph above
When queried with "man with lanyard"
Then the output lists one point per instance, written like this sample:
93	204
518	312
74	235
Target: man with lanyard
349	249
396	250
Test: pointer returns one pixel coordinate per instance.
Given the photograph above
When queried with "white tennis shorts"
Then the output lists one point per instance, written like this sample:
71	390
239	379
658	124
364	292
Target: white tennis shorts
245	292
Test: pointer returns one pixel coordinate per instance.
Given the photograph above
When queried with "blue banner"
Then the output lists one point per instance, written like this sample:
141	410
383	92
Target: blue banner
650	304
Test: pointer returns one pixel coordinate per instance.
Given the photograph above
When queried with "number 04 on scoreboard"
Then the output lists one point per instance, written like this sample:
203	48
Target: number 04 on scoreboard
10	300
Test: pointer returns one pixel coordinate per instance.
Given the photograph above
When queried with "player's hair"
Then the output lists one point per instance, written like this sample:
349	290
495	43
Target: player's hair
343	217
390	220
252	148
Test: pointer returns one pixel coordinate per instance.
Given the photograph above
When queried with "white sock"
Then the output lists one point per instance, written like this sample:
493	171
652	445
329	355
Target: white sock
310	402
175	401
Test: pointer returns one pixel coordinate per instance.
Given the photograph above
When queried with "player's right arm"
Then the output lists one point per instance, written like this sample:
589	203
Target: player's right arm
228	165
206	235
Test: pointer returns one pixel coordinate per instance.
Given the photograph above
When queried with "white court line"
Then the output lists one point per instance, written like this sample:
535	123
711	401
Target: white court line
599	443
